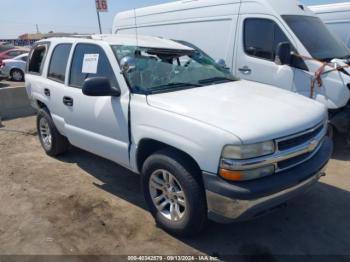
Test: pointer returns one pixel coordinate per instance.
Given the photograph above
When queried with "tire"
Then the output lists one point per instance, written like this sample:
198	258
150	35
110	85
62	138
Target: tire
191	215
54	144
17	75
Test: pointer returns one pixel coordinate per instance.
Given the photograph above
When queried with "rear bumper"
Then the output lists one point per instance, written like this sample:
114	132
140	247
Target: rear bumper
244	200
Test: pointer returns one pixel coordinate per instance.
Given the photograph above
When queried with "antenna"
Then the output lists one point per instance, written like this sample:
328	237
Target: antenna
136	29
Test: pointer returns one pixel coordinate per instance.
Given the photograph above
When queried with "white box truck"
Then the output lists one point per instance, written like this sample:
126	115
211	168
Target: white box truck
255	38
337	18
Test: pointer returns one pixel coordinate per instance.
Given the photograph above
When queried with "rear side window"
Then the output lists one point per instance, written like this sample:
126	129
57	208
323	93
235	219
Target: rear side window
261	38
58	63
80	71
37	57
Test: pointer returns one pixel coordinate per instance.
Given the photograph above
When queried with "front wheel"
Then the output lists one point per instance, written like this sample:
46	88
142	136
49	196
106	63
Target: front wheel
174	193
17	75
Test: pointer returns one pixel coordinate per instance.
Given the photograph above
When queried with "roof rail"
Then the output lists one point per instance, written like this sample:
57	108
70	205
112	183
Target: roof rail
71	36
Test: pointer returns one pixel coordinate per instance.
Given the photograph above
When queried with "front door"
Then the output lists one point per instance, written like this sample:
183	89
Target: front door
258	39
96	124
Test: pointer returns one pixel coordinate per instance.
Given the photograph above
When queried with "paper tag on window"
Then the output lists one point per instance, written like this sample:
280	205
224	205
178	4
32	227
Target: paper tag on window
90	63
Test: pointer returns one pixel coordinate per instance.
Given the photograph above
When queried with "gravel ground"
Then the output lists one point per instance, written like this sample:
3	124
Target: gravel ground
82	204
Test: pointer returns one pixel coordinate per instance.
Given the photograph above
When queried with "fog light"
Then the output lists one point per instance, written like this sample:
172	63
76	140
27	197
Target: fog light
245	175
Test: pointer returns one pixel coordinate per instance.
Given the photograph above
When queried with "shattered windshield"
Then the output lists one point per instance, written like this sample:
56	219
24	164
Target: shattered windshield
165	70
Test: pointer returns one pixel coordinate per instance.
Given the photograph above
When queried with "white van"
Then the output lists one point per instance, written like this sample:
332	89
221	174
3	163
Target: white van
337	18
254	38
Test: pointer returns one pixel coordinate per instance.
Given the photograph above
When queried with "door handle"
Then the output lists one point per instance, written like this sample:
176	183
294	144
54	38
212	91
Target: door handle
245	70
47	92
68	101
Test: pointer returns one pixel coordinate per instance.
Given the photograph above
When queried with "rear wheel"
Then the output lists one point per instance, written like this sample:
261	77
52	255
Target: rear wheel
17	75
51	140
174	193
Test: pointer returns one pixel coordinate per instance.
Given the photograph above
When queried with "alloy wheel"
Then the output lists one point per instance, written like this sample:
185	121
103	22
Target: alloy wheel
167	195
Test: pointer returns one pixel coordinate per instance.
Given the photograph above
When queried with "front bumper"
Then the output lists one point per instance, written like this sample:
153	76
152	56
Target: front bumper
229	201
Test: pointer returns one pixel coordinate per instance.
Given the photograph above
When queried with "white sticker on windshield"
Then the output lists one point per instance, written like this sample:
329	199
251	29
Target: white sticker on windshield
90	63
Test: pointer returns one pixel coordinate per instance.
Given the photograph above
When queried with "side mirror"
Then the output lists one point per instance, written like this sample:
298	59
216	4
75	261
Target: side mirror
100	86
221	62
127	64
283	54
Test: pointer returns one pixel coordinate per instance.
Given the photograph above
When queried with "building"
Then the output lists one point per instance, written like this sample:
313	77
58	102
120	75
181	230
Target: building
36	36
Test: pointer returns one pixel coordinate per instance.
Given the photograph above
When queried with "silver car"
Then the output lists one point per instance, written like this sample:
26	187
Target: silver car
14	68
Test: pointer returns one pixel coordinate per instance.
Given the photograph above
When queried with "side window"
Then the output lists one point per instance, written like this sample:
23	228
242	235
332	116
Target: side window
58	63
36	60
24	58
261	38
12	53
79	73
279	37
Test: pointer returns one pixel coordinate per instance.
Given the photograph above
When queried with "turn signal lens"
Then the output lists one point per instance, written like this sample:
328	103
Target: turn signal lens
246	175
230	175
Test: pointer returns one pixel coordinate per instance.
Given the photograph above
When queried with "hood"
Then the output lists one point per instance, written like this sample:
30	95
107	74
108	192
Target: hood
251	111
9	60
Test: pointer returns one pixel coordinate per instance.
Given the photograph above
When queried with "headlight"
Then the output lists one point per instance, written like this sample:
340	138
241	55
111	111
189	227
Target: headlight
248	151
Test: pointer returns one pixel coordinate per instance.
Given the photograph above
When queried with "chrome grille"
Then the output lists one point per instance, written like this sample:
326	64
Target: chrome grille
299	140
293	161
290	151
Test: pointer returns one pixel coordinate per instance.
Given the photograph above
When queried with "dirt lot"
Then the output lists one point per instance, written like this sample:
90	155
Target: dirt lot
82	204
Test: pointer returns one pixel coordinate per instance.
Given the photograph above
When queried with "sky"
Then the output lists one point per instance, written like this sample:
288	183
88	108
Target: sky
72	16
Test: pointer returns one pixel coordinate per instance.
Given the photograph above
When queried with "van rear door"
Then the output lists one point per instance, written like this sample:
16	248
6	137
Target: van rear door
258	38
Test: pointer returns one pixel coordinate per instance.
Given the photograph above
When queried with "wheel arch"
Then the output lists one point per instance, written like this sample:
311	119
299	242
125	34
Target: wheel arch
16	68
41	104
148	146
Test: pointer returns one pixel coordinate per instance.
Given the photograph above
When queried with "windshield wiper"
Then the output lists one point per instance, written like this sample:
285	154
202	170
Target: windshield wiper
216	80
173	86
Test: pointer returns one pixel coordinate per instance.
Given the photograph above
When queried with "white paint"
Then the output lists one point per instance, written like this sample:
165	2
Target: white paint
216	26
198	121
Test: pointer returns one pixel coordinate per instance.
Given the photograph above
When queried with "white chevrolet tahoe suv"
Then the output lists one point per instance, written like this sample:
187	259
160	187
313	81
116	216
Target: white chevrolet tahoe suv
207	145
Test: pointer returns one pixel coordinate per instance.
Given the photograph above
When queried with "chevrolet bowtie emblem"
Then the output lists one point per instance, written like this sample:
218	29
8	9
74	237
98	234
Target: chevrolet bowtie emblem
312	146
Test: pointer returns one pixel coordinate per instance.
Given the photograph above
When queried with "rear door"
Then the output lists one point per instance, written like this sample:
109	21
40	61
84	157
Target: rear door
258	38
96	124
35	82
56	78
